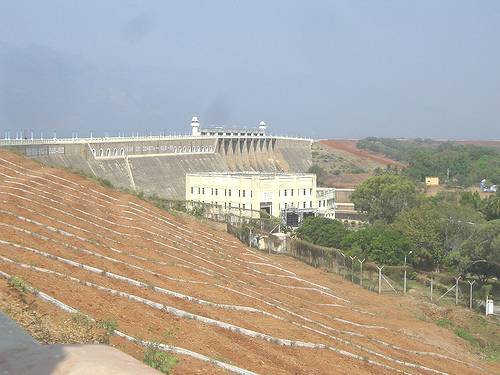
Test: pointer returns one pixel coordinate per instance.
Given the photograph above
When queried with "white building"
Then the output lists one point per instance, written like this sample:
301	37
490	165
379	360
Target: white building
326	202
252	192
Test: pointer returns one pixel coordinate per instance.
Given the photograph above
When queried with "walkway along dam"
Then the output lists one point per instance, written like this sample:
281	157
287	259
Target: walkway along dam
158	164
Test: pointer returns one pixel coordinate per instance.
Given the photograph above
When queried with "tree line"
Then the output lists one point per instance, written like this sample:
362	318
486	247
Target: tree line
458	232
456	164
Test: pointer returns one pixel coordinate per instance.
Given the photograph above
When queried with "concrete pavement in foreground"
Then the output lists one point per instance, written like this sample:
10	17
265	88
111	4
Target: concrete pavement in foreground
21	354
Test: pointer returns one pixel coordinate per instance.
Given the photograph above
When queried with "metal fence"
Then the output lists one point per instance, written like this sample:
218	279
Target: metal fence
438	288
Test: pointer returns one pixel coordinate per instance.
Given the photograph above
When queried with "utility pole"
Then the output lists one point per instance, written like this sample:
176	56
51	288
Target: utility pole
361	271
404	283
379	279
432	285
470	293
352	268
343	255
456	289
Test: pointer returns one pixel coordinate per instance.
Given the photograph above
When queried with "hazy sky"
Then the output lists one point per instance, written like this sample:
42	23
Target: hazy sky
317	68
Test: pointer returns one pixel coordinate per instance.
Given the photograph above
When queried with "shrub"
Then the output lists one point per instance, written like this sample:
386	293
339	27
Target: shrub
159	360
110	325
466	335
18	283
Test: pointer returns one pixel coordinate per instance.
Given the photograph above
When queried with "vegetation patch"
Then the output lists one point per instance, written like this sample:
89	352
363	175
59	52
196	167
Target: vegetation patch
444	323
466	335
455	164
109	325
159	360
18	283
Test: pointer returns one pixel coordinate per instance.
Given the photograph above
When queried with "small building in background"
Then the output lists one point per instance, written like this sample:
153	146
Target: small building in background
253	192
326	202
432	181
344	208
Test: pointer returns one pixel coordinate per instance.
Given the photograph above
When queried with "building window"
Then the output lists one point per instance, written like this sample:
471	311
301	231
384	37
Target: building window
192	190
311	191
291	192
229	204
225	192
304	191
203	191
251	193
239	193
243	193
229	194
311	204
285	192
212	191
199	190
304	204
285	205
216	191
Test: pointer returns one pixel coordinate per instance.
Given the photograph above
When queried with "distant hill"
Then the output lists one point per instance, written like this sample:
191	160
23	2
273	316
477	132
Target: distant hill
345	165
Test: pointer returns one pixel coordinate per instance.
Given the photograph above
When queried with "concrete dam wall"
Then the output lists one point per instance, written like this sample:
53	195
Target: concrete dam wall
159	164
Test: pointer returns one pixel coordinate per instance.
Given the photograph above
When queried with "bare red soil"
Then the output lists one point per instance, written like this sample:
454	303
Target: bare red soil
349	145
480	143
171	280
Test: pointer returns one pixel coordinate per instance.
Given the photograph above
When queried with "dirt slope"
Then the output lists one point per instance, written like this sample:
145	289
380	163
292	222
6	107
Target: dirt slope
349	145
173	281
345	165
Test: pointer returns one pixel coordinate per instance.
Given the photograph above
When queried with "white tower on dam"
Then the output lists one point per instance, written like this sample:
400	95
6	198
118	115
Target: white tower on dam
195	126
262	127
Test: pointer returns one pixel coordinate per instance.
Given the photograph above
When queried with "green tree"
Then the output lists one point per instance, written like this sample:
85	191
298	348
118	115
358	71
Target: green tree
480	254
470	199
378	243
421	225
437	228
322	231
319	172
384	197
491	206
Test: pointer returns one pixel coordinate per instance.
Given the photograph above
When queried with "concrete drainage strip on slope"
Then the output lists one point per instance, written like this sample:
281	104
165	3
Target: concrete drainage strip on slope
316	287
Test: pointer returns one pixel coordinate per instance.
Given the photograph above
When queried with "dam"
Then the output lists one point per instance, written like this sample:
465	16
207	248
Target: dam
158	164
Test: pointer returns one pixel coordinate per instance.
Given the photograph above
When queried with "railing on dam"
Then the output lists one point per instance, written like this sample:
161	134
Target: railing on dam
74	140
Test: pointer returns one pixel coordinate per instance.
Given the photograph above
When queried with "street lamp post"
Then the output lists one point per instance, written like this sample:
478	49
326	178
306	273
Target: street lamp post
404	282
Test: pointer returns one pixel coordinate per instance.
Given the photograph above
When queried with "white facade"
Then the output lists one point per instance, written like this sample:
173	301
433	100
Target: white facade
252	191
326	202
197	130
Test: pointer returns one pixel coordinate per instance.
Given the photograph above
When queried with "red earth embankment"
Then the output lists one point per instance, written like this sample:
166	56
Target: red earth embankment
212	300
